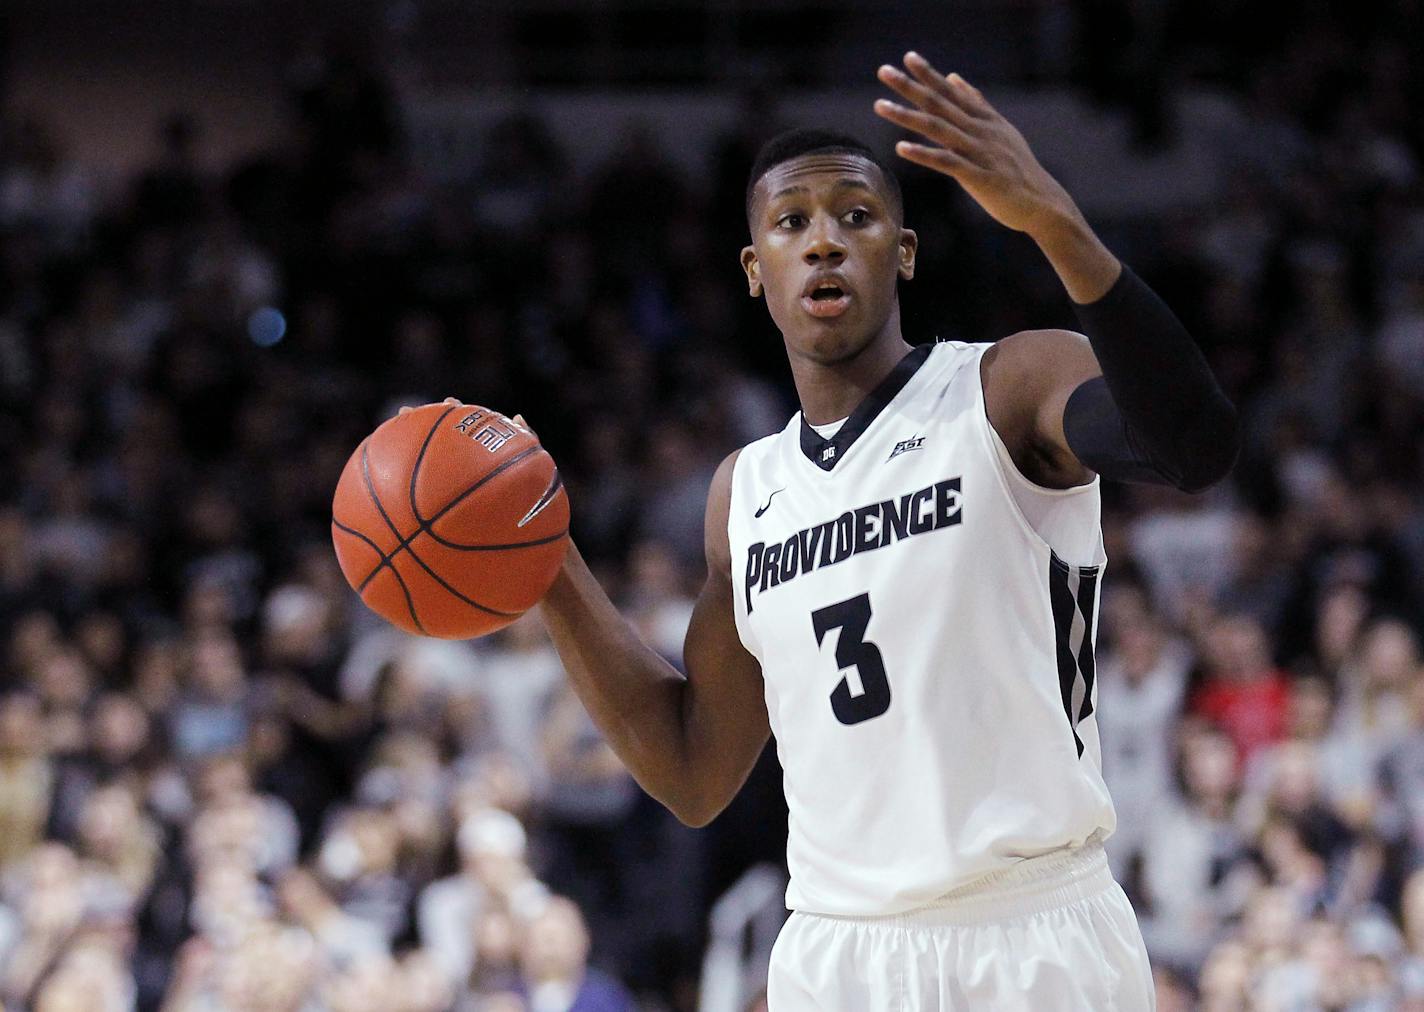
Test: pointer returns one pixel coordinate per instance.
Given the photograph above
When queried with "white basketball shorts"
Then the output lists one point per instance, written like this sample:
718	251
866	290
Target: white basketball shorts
1051	934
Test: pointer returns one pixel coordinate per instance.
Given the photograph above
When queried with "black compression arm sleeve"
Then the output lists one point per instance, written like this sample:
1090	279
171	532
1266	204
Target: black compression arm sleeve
1157	413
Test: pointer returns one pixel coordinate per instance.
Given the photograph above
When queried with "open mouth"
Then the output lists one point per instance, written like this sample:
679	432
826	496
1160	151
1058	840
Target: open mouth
826	300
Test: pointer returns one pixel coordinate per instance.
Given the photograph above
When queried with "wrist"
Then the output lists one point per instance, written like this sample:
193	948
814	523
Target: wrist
1086	267
1060	229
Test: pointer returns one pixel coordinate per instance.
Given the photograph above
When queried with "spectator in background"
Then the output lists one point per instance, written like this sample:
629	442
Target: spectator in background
590	798
1375	684
173	630
1401	779
211	714
116	839
26	777
342	938
1343	769
260	831
493	877
518	674
1193	871
1141	690
1243	690
553	962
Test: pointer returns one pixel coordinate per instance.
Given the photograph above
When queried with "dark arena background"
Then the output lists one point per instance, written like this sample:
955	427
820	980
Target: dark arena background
237	234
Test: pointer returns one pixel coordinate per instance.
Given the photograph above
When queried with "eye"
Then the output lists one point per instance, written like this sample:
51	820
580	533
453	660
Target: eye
790	221
858	216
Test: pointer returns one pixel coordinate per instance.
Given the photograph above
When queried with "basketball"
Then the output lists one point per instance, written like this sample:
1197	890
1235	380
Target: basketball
450	520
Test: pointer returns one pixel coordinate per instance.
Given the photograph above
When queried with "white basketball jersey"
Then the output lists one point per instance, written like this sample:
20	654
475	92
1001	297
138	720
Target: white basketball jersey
928	659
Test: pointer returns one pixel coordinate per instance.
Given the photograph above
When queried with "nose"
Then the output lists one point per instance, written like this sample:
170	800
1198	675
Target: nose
823	243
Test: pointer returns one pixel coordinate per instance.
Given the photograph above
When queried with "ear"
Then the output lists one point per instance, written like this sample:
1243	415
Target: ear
909	243
752	266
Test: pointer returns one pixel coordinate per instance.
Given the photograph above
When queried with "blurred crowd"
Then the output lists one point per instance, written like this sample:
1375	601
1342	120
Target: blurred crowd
225	785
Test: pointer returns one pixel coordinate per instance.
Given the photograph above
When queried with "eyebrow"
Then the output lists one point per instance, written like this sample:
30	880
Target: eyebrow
840	184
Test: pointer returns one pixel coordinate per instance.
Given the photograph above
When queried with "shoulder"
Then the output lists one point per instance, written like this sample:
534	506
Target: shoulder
719	506
1027	379
1035	353
720	493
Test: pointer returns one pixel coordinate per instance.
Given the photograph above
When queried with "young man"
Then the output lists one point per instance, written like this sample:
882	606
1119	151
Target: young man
903	585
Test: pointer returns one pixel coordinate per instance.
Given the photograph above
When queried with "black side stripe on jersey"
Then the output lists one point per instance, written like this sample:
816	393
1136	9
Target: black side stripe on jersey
1072	596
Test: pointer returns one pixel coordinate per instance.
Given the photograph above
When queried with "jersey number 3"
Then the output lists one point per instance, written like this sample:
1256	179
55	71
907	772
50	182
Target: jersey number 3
853	651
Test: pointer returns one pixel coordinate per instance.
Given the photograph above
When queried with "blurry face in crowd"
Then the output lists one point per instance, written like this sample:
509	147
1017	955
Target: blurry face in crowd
35	637
1239	648
1272	919
1310	709
555	943
827	211
1140	642
301	895
65	679
108	818
155	671
52	902
21	726
223	780
496	939
101	637
1293	786
423	984
215	666
1389	654
1210	766
1225	976
1338	620
119	728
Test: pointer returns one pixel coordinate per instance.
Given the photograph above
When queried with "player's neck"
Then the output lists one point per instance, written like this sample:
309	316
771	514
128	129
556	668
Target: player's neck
830	391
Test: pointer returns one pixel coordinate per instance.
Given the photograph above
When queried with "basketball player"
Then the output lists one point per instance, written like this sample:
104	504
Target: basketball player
903	586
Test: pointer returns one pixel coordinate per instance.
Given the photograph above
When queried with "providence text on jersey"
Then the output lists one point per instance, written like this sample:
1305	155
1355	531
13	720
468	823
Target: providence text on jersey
854	531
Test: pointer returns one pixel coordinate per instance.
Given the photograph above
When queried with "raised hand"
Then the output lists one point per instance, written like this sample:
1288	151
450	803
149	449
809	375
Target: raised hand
975	145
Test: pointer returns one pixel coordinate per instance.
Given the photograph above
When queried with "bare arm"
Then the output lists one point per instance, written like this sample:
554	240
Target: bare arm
689	741
1157	414
1028	378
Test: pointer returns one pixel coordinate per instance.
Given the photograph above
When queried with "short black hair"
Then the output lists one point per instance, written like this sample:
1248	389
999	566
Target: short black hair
800	141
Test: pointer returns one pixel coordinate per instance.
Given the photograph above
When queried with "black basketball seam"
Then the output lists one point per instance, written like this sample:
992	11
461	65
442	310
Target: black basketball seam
427	526
415	468
535	543
379	566
371	490
424	526
554	487
405	544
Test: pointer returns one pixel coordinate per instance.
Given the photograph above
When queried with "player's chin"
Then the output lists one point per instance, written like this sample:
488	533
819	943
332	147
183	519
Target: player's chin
829	342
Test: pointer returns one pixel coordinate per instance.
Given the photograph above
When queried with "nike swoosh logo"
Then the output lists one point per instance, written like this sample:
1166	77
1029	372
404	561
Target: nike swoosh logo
544	500
768	502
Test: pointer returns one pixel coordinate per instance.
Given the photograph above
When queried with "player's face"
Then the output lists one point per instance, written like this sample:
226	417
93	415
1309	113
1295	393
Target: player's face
826	251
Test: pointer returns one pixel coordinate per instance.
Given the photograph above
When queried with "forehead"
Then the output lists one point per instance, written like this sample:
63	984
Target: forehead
822	170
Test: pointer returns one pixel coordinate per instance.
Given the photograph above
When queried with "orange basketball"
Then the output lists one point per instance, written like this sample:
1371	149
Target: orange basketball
450	520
